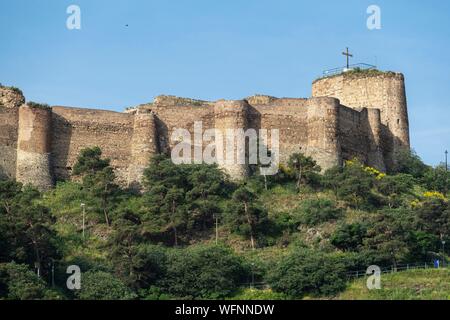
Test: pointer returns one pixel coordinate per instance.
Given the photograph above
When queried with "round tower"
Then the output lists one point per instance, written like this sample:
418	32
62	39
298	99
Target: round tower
230	119
371	119
144	146
373	89
323	132
34	146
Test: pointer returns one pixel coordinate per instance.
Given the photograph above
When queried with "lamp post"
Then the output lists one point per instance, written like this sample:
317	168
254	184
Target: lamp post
216	217
83	206
443	253
253	275
446	163
53	272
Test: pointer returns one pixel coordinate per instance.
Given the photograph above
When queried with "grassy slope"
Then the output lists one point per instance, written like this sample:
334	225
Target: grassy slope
409	285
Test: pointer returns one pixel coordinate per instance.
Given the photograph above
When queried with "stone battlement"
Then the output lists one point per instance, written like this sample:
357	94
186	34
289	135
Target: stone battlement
356	114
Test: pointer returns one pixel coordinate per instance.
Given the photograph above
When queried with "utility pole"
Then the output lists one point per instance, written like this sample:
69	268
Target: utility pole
83	206
446	163
53	273
443	250
446	172
37	266
253	275
216	217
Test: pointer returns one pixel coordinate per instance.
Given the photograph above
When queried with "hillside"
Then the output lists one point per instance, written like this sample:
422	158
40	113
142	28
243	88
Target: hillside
299	233
429	284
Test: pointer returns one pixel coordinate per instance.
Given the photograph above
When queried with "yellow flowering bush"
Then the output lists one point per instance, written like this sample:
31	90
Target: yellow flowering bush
374	172
434	195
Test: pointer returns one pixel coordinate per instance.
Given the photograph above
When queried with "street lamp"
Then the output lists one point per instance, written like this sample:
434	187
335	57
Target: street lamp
446	163
83	206
443	253
216	217
253	275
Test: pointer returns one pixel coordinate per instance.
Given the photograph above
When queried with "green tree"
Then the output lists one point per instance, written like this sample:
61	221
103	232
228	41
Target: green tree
437	179
8	191
351	183
206	272
305	169
306	272
99	285
181	198
27	234
349	237
18	282
388	235
394	188
138	264
98	177
408	162
245	214
316	211
433	218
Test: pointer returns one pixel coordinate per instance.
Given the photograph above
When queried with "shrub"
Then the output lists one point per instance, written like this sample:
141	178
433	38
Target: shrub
36	105
349	237
18	282
317	211
203	272
99	285
353	183
308	272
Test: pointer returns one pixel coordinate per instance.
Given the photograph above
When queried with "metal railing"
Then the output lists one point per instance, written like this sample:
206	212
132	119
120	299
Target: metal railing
392	269
352	67
360	273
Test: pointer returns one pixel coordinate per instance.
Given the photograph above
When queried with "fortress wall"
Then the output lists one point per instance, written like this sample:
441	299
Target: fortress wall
352	134
75	129
171	117
9	123
34	147
289	116
324	143
381	90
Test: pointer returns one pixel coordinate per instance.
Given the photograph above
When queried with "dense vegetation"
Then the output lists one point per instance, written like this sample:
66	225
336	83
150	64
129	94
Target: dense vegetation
299	232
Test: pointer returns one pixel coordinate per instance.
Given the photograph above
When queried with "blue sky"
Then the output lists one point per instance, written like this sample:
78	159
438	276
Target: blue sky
225	49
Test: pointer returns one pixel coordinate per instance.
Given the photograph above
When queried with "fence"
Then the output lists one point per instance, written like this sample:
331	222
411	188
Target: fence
360	273
358	66
392	269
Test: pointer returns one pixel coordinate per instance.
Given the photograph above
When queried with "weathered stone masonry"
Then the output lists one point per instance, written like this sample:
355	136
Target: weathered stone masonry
350	115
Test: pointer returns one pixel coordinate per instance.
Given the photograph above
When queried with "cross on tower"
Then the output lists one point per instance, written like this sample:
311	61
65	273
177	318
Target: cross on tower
348	55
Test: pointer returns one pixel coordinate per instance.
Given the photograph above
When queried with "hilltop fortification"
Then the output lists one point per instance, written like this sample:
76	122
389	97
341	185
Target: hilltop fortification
354	114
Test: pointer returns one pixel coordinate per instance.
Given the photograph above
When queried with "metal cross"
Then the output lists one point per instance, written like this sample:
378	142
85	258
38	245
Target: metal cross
348	55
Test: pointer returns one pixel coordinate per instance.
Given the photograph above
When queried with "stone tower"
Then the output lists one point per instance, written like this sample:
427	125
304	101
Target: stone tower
34	147
323	129
373	89
144	145
231	114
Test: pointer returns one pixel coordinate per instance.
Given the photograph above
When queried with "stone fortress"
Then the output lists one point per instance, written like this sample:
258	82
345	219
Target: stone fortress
359	114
